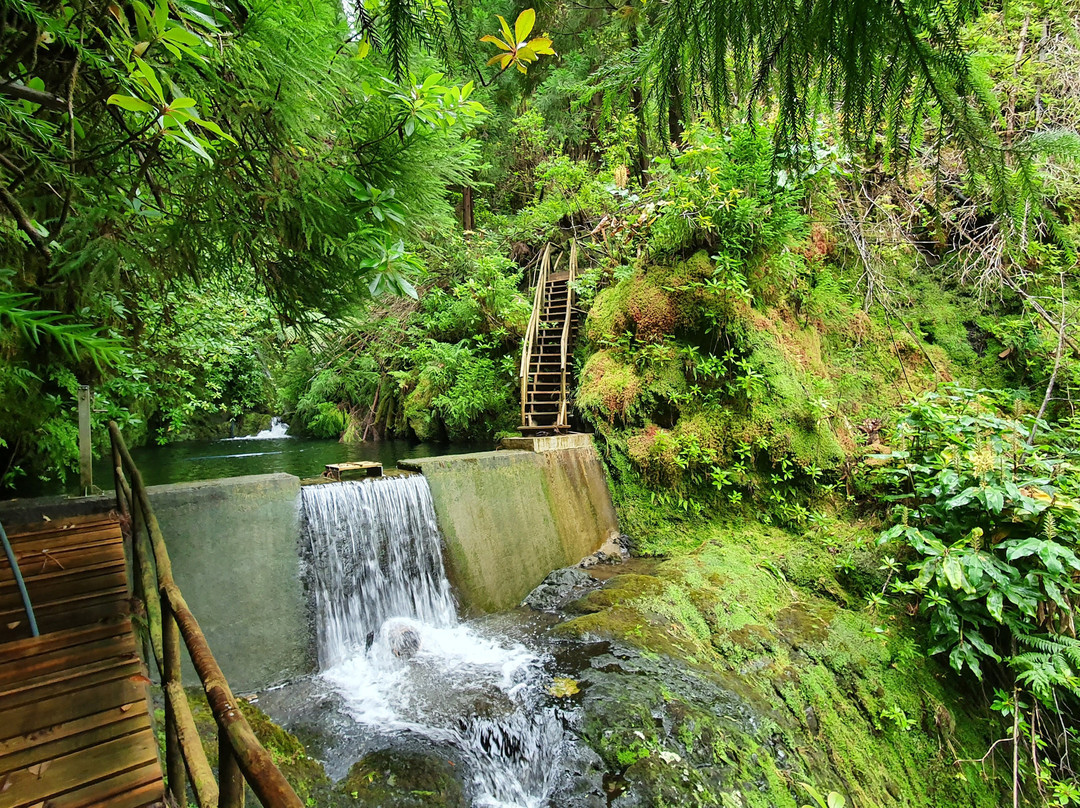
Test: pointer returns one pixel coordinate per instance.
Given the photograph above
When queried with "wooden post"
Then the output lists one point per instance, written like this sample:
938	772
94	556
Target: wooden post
468	221
174	755
86	455
230	778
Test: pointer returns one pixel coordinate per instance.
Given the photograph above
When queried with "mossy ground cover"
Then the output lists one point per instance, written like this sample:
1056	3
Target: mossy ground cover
783	676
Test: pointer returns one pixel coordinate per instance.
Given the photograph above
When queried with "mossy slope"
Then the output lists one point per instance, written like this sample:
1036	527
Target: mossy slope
749	666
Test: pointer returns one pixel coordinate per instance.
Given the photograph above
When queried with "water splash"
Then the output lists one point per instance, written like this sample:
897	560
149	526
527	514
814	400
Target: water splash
378	576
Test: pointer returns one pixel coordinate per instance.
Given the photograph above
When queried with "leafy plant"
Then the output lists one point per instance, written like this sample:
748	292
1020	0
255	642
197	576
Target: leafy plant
519	52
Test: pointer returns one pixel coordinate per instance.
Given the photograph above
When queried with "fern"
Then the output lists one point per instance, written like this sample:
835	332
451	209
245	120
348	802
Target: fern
77	340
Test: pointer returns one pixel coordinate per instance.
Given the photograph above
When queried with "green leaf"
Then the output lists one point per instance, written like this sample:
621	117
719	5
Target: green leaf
506	31
129	103
994	498
213	127
994	604
954	572
182	36
151	78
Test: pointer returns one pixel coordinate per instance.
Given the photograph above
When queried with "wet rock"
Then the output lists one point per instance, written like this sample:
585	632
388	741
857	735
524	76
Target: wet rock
583	786
560	588
398	779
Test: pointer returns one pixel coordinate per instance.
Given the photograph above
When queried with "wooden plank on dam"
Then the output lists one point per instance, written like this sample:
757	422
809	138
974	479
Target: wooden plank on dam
75	728
361	468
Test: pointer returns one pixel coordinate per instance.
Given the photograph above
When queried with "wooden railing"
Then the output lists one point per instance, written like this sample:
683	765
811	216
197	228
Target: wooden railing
565	342
241	758
533	329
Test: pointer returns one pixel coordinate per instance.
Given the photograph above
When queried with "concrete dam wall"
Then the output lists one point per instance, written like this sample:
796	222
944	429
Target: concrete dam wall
233	543
510	517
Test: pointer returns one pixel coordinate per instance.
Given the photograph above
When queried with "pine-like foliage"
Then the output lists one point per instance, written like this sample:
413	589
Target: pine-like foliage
881	65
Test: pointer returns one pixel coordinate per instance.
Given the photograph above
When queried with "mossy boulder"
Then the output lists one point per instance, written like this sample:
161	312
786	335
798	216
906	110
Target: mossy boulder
404	779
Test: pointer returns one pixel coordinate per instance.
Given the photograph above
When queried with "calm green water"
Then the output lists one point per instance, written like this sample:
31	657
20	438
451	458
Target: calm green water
207	460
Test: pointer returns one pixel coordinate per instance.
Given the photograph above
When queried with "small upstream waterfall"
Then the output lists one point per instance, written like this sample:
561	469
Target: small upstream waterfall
391	645
278	429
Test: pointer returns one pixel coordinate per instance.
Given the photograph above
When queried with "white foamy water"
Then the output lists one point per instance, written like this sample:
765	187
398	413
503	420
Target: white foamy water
391	645
278	429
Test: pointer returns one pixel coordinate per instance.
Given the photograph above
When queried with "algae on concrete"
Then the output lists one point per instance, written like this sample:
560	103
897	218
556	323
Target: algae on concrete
234	548
509	518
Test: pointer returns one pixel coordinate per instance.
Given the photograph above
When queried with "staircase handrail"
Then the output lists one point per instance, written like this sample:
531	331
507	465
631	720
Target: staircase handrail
563	405
241	757
534	325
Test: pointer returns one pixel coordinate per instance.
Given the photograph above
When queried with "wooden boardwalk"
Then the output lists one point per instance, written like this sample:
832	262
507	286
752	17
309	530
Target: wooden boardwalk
75	726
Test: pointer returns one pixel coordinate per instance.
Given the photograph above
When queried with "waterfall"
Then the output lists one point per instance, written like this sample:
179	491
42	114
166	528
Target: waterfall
392	647
375	555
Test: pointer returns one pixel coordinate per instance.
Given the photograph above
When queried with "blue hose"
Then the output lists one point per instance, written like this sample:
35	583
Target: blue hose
19	581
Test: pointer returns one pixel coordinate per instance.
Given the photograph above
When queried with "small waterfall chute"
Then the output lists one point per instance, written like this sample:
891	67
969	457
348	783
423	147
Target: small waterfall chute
277	430
391	644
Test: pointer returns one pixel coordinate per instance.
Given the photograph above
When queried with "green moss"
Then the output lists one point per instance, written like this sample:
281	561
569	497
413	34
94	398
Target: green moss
305	774
610	389
396	779
418	412
608	319
765	612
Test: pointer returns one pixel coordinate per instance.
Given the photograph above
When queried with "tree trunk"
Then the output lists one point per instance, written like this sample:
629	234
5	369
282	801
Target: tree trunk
637	104
467	219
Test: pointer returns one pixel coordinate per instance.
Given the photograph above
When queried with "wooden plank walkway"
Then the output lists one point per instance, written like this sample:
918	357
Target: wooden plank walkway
75	726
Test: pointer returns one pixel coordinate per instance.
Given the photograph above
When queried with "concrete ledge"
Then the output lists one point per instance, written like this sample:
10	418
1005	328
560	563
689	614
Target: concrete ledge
548	443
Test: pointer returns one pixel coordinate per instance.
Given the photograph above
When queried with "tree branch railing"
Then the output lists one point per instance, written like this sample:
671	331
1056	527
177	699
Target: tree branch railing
532	332
241	757
563	420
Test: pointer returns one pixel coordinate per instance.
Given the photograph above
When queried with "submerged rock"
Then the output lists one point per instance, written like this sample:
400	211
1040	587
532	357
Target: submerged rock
559	588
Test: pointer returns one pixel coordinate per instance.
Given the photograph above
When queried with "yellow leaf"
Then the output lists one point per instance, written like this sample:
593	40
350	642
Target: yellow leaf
563	686
140	49
507	58
541	45
526	54
524	25
506	29
495	41
498	57
521	67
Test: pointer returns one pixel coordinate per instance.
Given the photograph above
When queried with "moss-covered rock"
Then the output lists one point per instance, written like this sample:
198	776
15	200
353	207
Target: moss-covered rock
305	774
400	779
746	667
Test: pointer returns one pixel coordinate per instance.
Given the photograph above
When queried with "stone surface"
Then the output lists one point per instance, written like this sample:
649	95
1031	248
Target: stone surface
399	779
548	443
511	517
559	588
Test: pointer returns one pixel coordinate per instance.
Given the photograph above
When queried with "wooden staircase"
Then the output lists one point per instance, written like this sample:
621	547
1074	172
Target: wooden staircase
547	357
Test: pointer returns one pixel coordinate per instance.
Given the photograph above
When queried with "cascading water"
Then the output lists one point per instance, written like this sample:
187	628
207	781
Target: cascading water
277	430
391	644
